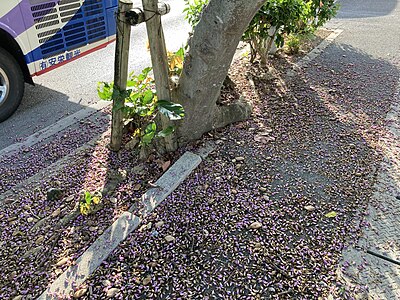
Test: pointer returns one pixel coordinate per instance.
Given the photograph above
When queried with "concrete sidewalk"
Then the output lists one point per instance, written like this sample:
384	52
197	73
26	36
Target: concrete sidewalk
374	29
365	273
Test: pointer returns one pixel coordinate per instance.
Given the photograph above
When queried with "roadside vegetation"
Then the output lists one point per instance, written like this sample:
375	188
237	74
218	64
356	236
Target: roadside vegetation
276	24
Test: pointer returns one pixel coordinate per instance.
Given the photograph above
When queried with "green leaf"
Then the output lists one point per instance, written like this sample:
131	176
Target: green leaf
144	74
331	214
141	77
88	197
146	71
147	97
131	83
105	90
149	133
134	96
171	110
181	53
166	132
151	127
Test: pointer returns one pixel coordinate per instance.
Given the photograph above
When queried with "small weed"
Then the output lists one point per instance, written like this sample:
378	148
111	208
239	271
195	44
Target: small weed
88	201
293	43
175	62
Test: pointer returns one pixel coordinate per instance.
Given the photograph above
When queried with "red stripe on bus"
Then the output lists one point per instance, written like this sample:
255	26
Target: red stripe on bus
74	58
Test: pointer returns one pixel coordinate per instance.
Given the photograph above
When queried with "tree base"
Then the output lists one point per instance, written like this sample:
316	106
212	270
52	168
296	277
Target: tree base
235	112
221	117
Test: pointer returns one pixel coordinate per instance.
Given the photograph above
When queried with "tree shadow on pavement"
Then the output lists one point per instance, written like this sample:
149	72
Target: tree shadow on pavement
330	118
303	167
40	107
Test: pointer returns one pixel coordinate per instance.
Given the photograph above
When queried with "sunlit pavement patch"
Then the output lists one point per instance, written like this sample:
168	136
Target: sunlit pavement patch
364	274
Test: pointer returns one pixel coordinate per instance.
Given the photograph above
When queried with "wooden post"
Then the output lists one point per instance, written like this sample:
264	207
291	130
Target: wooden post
120	73
159	60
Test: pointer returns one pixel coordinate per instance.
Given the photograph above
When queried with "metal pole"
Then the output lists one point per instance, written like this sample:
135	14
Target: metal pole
384	257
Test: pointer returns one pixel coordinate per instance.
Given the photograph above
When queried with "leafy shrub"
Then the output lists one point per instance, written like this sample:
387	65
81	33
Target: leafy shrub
278	18
274	20
293	42
142	106
317	13
193	9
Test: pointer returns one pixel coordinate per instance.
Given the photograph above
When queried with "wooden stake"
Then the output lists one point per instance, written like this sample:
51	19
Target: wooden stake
159	60
120	73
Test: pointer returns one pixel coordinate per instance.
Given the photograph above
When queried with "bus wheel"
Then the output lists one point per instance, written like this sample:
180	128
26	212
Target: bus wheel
11	85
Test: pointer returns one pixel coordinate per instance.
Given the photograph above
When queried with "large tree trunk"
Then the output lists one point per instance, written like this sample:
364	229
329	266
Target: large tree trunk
207	62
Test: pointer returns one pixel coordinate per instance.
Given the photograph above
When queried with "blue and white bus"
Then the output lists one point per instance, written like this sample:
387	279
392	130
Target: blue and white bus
37	36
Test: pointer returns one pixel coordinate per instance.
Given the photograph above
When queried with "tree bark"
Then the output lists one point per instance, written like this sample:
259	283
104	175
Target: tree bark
159	61
211	50
120	73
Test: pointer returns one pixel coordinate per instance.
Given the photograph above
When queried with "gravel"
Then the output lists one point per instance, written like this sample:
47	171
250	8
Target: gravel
273	223
266	215
41	236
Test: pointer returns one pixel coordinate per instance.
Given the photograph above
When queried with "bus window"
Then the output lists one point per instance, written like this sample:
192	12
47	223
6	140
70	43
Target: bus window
37	36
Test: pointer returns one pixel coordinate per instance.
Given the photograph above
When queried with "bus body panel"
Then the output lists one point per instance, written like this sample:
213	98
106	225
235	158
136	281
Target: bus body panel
44	34
51	33
23	41
7	5
10	14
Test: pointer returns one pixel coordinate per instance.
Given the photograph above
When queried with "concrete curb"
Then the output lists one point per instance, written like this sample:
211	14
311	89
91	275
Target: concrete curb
317	50
54	128
51	169
88	262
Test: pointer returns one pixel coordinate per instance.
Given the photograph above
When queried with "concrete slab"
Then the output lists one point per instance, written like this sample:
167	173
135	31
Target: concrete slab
169	181
88	262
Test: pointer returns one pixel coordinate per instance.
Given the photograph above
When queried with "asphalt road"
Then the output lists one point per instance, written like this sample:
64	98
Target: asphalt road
72	87
373	27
